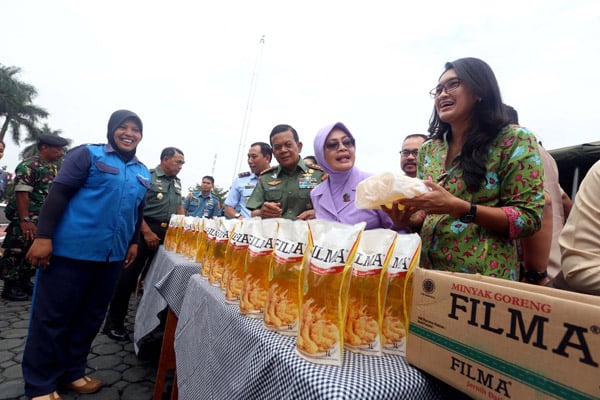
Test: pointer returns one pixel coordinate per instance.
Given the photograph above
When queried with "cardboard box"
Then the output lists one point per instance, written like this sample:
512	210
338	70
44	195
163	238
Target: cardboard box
496	339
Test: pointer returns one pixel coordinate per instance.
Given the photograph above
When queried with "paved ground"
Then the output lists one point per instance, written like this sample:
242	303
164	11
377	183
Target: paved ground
125	375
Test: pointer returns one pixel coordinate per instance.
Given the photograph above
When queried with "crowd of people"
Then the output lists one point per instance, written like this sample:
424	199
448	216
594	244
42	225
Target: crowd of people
494	207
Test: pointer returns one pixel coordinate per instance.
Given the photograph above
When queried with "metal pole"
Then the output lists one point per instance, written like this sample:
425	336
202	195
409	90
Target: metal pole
246	123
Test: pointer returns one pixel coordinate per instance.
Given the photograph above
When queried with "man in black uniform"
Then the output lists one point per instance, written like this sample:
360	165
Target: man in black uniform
162	200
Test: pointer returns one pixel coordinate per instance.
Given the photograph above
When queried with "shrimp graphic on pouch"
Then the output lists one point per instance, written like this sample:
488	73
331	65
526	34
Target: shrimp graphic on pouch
225	226
234	270
361	328
396	283
281	308
393	328
261	241
317	334
323	290
280	311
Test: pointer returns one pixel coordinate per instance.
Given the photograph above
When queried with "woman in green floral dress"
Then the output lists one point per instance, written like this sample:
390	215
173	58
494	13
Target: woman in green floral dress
486	178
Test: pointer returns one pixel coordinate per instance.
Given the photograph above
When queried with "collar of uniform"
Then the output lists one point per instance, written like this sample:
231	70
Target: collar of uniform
301	164
109	149
160	172
199	194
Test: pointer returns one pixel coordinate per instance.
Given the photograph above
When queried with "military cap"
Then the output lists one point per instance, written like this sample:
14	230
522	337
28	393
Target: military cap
53	140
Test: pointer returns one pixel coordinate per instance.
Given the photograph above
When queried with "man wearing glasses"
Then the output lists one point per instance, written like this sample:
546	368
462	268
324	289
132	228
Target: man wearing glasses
408	154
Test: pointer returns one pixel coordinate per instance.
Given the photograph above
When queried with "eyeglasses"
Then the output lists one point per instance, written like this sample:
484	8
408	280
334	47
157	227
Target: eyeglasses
334	145
406	153
449	87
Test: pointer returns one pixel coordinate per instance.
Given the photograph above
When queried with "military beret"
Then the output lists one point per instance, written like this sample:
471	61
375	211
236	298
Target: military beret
52	140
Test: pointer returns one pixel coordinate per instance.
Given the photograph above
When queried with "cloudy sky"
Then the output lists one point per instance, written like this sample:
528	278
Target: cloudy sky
187	68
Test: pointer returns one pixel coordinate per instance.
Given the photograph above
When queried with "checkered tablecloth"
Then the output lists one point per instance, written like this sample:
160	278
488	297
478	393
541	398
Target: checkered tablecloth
164	285
222	354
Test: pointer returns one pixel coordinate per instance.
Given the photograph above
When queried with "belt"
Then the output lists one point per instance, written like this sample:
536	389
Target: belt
163	224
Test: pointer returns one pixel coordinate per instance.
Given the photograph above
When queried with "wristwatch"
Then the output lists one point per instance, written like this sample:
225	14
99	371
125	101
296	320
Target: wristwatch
535	276
26	219
469	216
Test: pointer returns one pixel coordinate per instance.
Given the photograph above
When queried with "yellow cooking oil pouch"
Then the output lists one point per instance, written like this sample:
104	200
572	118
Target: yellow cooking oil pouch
184	242
234	270
331	248
220	250
256	275
211	226
362	332
173	231
395	283
237	227
197	227
281	307
202	240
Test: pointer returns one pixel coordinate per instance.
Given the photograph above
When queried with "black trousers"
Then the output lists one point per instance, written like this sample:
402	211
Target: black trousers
117	311
68	306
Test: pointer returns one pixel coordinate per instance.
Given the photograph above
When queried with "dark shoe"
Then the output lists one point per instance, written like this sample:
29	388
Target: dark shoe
27	286
91	385
120	335
13	293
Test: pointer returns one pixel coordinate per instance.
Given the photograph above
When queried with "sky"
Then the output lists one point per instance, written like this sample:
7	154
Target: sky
199	77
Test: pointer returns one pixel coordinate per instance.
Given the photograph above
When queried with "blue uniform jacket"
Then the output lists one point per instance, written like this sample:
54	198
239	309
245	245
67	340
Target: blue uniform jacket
104	210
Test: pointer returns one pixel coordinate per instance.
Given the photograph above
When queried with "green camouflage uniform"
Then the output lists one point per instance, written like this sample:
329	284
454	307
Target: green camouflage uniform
33	175
290	189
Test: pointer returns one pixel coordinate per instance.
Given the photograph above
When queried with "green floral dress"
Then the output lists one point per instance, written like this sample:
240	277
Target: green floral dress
514	182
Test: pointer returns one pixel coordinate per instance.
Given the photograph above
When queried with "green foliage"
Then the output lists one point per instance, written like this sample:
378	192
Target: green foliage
16	107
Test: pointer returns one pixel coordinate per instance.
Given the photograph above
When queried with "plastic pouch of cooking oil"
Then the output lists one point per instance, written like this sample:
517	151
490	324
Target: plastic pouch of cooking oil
185	241
256	276
362	332
219	254
197	227
396	284
211	226
235	269
173	231
331	249
281	307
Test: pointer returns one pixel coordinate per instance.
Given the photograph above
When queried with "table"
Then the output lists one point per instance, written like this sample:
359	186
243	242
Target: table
164	286
221	354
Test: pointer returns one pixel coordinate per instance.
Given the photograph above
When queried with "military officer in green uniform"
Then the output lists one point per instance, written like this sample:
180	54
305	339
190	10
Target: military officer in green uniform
163	199
284	191
33	177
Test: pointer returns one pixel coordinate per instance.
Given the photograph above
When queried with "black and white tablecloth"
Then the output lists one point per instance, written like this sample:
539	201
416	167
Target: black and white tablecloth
222	354
164	286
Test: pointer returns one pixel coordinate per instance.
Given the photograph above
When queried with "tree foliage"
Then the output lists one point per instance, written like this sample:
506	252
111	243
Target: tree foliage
16	105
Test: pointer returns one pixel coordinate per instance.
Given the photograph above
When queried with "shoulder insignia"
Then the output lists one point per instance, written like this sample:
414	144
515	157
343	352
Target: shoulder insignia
325	176
244	174
317	167
270	169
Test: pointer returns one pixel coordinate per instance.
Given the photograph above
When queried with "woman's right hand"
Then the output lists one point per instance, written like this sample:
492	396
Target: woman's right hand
39	253
404	216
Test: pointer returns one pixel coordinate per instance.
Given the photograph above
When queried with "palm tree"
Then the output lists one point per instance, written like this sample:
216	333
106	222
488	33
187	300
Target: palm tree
16	105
